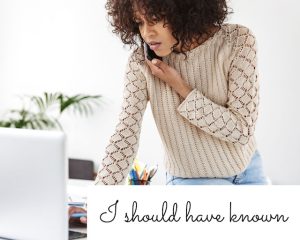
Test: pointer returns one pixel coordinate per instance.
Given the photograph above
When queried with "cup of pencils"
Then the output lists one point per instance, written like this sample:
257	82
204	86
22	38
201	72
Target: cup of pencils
140	174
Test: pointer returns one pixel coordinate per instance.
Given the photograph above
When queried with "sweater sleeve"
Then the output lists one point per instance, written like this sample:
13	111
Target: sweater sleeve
234	122
123	144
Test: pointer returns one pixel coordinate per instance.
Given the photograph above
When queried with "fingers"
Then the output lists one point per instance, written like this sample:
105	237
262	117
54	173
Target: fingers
73	210
76	210
83	220
155	67
162	70
158	63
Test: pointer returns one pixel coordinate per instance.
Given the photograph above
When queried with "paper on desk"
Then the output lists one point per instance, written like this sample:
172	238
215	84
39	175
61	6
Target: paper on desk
77	190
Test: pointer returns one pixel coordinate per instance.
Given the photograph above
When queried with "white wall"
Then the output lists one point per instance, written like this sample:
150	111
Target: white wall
66	45
276	26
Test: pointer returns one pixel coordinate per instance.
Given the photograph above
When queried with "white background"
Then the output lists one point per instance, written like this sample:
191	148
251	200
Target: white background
205	200
67	45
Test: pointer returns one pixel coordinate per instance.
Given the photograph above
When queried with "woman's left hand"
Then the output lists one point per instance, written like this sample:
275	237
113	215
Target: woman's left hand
169	75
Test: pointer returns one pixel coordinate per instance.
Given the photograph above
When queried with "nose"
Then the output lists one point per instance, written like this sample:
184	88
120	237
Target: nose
147	31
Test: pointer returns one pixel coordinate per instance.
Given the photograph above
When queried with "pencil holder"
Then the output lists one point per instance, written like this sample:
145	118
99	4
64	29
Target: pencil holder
138	182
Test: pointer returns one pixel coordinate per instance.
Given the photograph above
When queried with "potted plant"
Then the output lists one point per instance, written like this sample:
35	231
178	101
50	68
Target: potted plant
43	112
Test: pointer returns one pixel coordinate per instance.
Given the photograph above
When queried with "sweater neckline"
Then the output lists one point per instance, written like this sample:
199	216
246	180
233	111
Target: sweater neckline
195	51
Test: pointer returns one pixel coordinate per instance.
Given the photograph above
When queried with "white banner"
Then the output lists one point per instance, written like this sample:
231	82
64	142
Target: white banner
182	212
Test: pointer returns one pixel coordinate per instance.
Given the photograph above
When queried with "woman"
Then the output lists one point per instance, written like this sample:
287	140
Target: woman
203	94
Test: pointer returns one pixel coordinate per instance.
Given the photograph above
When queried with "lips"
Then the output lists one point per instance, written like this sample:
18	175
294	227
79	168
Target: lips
154	45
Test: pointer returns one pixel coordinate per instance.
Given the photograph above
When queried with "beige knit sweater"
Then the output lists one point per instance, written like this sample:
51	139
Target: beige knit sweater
210	133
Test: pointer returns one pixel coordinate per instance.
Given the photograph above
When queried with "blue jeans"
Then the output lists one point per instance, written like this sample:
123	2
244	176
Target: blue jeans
253	175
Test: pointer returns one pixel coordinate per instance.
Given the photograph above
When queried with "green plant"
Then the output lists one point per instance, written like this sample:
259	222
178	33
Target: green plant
43	112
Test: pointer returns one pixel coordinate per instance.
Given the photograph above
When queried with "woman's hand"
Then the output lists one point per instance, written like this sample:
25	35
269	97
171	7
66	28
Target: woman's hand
170	76
73	210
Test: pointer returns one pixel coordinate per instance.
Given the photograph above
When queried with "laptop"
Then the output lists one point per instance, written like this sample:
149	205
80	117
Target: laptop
33	175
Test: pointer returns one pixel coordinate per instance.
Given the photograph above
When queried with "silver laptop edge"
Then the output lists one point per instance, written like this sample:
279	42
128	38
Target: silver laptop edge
33	174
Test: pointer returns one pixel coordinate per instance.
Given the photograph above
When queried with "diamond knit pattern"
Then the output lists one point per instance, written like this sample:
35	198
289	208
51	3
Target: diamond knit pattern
236	122
123	144
210	133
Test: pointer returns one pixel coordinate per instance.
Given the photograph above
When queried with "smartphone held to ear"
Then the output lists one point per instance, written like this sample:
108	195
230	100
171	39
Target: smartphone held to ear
150	54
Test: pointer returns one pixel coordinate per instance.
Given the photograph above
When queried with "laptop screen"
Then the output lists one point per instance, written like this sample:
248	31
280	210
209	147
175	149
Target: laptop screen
33	176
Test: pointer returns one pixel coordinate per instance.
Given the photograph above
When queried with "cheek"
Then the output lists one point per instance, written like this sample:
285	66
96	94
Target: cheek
166	50
169	43
170	40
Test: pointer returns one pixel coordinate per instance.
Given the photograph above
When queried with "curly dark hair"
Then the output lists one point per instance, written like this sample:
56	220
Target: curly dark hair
189	20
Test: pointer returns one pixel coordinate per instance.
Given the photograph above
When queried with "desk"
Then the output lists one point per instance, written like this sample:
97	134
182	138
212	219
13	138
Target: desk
77	190
83	230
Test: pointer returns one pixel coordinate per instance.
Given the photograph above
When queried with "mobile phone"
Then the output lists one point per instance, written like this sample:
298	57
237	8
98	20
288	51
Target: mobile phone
150	54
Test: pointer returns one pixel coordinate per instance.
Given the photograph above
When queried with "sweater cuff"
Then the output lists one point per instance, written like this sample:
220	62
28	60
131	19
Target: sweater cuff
191	96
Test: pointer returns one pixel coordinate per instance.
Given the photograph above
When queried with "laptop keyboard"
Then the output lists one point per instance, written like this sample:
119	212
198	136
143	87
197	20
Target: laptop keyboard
72	235
76	235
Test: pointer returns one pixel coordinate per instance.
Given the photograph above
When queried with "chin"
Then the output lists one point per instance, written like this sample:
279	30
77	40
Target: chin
163	54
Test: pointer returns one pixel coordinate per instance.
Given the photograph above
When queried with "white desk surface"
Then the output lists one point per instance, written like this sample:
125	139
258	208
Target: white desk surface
77	190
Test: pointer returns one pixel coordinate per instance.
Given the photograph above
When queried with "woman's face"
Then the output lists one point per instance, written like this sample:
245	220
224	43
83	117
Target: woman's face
158	36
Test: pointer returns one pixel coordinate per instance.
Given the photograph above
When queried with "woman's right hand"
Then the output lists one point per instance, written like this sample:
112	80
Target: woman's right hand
73	210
